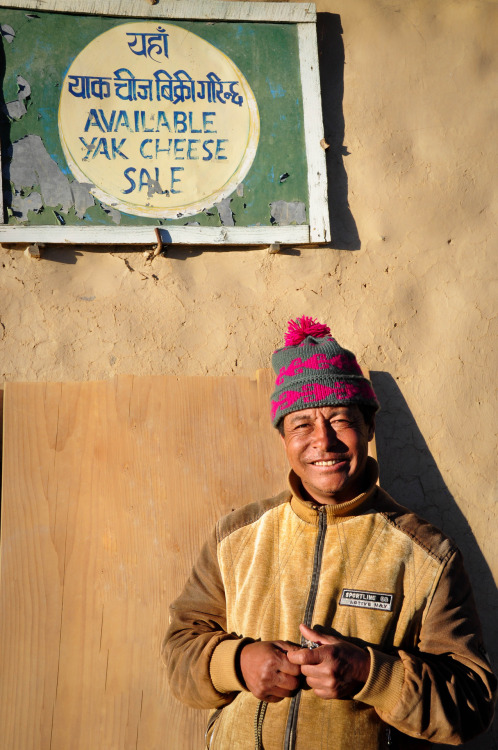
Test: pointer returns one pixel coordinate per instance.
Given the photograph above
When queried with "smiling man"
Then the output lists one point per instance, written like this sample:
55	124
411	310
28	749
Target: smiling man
327	448
329	617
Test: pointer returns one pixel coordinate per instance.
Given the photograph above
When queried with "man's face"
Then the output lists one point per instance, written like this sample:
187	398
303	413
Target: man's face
327	448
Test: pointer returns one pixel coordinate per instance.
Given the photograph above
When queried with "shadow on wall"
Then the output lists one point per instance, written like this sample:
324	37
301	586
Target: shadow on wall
410	474
344	234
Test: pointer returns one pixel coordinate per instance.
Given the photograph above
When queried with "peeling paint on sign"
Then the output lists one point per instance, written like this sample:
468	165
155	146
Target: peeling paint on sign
30	165
283	213
115	215
8	32
225	212
21	206
83	199
16	109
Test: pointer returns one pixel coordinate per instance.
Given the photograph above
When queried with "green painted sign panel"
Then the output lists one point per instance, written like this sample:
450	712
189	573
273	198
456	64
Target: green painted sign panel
160	125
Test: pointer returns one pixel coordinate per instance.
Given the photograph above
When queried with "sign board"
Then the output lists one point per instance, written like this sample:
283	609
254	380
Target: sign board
200	119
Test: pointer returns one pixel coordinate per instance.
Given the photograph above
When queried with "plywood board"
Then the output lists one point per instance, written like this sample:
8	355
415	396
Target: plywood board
109	490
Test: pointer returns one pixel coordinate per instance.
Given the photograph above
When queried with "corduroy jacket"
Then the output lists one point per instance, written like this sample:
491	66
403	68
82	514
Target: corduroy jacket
368	570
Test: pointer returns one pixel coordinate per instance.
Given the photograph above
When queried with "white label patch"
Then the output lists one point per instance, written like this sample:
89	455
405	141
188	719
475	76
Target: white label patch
368	599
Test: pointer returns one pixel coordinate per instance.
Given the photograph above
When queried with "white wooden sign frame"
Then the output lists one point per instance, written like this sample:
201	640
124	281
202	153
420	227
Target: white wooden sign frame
301	14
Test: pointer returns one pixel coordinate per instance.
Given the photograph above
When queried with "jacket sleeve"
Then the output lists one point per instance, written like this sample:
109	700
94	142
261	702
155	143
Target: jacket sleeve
198	629
443	692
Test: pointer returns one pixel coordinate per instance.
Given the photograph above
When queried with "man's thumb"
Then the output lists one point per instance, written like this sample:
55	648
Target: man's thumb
314	637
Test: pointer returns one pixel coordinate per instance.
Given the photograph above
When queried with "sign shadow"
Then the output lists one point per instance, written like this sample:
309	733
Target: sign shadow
343	229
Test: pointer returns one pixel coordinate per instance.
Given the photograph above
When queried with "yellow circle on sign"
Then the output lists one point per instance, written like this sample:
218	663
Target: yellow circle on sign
160	122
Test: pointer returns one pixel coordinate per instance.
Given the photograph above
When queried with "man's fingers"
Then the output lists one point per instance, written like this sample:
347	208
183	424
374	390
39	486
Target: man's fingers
283	662
310	671
315	637
290	668
287	646
284	687
305	656
267	671
330	688
277	694
287	681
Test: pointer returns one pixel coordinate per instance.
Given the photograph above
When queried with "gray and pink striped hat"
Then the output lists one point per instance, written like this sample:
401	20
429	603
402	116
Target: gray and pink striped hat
313	370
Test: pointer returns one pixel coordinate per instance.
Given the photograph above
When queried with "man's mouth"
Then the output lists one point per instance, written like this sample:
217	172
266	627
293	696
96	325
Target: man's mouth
328	463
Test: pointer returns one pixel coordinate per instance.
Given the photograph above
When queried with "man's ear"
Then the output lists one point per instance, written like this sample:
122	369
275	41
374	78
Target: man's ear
371	428
280	429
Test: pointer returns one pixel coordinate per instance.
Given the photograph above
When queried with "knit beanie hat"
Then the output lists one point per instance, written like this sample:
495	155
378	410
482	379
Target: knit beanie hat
314	370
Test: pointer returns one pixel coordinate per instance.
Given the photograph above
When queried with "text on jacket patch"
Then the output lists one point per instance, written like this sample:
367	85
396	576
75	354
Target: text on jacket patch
368	599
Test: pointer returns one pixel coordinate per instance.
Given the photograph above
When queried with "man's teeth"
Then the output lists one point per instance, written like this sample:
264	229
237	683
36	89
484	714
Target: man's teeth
327	463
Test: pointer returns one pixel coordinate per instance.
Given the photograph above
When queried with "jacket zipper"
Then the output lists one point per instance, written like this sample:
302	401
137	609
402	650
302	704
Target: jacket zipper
258	724
210	723
290	732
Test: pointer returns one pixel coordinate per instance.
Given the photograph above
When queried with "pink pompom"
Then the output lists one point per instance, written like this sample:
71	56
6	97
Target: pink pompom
301	328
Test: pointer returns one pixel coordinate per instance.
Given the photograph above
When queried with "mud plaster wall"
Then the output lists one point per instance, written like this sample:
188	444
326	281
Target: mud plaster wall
409	281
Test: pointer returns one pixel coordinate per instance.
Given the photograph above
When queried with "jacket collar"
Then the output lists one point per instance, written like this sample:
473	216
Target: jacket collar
308	510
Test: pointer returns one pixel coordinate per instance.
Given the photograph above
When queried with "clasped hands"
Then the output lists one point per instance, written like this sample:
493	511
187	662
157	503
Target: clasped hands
273	670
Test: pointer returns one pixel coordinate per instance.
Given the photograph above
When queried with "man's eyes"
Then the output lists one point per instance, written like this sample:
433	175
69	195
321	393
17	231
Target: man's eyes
336	424
343	424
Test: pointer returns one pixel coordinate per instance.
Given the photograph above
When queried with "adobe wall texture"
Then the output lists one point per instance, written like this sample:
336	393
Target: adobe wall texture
408	283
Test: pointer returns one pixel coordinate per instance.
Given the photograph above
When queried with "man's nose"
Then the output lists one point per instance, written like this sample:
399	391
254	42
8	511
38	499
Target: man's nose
324	435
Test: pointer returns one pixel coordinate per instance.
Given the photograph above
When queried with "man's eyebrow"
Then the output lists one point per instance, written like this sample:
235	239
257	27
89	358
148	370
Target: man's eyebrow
297	417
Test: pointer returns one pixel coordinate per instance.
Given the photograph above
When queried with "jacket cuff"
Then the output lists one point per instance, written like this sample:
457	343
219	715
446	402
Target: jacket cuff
223	667
382	689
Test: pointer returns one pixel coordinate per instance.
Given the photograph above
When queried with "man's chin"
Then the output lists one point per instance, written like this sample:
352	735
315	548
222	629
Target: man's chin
333	490
327	495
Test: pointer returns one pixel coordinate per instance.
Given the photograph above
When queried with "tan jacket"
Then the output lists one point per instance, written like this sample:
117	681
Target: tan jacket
368	570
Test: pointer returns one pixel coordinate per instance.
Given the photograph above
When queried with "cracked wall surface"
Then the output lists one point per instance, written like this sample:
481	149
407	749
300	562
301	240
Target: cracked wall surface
415	297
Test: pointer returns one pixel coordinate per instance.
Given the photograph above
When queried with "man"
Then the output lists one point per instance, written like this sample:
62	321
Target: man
329	617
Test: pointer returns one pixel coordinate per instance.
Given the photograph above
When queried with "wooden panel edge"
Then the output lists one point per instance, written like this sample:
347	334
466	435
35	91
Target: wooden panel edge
2	205
219	10
2	391
140	235
313	129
